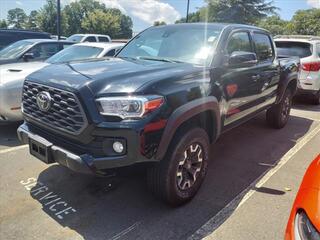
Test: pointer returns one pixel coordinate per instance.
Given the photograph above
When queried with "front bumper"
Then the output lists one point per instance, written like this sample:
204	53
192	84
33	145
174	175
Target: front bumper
79	162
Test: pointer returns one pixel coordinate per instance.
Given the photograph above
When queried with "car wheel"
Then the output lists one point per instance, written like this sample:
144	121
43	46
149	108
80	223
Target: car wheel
177	178
278	115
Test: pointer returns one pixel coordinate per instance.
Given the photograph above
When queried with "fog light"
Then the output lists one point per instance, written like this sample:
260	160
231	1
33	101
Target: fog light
118	147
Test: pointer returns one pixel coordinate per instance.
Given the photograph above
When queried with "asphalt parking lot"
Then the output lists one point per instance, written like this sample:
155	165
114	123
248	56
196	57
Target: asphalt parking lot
253	176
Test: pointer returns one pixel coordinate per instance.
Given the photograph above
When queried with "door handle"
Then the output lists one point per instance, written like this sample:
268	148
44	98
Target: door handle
255	78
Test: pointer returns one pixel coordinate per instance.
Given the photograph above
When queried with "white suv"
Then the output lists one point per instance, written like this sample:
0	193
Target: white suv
89	38
308	49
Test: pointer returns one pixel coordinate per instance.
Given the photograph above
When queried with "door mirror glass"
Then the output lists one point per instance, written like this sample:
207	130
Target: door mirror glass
242	59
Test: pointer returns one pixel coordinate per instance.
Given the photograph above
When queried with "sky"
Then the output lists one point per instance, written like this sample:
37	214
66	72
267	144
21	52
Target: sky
145	12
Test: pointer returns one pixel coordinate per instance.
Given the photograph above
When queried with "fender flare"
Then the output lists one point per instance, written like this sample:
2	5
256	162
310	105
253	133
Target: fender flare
284	85
184	113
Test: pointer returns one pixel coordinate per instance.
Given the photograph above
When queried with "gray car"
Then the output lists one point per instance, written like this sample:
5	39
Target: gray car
13	75
31	50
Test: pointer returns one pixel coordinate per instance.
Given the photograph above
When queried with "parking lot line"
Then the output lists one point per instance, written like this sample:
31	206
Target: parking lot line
126	231
213	223
11	149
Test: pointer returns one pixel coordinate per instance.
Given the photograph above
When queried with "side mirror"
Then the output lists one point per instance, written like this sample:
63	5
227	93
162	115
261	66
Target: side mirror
28	56
242	59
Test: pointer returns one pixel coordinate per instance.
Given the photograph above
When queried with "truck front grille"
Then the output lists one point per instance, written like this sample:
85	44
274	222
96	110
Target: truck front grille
65	113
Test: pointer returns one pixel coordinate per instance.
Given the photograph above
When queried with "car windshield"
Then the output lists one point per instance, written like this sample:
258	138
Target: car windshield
75	53
174	44
293	49
15	50
75	38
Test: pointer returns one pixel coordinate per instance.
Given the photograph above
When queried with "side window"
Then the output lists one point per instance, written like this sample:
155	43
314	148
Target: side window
90	39
103	39
318	49
263	46
239	41
44	50
110	53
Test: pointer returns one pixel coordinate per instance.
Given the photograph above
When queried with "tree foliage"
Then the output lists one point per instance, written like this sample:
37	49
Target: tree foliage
233	11
32	20
17	18
3	24
275	25
101	22
306	22
47	18
159	23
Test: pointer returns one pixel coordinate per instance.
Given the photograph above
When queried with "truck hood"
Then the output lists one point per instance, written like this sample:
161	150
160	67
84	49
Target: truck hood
113	75
18	71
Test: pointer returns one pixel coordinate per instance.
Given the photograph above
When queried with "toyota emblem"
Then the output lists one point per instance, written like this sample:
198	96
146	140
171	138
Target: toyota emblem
44	101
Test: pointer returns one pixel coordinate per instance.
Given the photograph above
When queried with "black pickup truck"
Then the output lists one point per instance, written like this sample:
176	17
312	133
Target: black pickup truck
166	96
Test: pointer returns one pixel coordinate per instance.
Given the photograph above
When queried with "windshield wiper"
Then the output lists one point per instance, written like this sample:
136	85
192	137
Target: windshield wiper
159	59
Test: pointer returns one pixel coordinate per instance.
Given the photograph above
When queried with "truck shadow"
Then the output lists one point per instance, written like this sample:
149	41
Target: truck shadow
128	211
8	135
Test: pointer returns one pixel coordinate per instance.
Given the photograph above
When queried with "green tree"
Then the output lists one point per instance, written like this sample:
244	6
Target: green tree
275	25
17	18
159	23
192	17
3	24
306	22
233	11
32	20
47	18
102	22
125	23
76	11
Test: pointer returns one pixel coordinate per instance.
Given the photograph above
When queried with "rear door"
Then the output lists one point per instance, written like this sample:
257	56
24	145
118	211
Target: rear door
267	70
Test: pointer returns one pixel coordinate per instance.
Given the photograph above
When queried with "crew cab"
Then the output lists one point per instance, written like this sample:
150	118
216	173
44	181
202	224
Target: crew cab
168	94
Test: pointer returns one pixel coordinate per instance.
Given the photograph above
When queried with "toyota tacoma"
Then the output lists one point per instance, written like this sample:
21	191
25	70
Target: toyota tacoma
165	97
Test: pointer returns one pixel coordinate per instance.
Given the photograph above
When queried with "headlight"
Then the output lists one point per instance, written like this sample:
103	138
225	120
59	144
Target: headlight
129	106
304	229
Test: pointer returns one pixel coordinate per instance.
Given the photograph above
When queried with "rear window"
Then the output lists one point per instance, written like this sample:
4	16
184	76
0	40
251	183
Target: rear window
294	49
103	39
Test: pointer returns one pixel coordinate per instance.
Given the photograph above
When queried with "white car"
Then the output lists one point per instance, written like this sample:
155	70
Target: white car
89	38
308	49
13	75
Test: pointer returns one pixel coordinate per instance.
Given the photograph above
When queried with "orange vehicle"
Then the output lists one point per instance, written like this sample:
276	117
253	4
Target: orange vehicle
304	221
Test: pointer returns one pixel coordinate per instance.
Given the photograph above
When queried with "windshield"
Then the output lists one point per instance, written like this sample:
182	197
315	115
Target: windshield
15	50
75	38
178	44
293	49
75	53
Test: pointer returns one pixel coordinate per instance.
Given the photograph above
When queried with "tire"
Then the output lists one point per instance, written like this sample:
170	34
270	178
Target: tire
278	115
316	100
171	179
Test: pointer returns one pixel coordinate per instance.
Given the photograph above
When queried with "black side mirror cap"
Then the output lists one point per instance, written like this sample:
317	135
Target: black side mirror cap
28	56
240	58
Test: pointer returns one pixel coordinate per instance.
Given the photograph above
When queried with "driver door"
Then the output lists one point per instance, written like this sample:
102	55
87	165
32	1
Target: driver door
240	84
